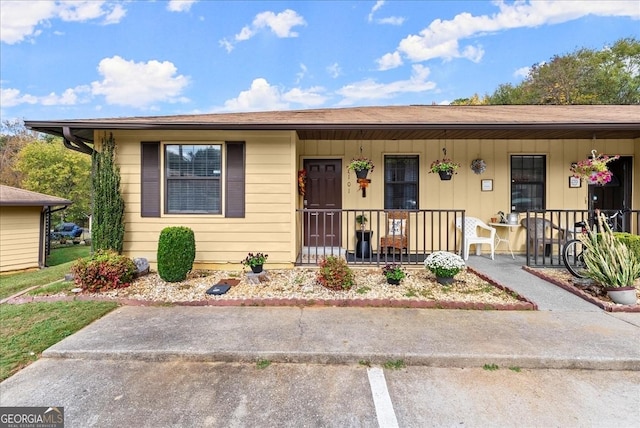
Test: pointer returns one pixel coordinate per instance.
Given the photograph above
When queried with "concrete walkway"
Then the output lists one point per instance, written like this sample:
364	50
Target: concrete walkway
548	297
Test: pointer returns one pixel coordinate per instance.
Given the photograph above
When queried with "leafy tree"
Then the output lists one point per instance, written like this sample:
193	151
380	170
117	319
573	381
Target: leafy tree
108	204
607	76
13	138
50	168
475	100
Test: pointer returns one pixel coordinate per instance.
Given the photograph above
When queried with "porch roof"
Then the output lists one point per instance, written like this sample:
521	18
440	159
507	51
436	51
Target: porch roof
390	122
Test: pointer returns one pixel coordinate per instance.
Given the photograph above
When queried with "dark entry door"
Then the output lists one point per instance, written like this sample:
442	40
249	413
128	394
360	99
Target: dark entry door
324	191
616	194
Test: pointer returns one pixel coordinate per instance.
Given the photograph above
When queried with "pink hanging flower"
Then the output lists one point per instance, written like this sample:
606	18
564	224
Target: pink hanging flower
594	170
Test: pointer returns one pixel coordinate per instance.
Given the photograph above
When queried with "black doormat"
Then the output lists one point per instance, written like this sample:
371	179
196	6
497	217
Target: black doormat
218	289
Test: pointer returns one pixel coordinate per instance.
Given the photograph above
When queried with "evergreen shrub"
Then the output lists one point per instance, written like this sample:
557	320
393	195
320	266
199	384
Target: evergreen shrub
176	253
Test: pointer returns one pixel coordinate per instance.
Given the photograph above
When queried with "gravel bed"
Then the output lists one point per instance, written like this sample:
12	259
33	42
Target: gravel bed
300	283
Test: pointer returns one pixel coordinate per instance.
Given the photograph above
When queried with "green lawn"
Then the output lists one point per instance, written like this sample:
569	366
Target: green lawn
59	262
67	254
27	330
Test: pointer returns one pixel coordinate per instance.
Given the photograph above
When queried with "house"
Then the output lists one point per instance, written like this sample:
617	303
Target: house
24	227
234	177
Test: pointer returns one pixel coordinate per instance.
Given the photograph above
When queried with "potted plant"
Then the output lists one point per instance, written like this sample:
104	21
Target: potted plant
255	261
444	167
361	219
444	265
610	263
394	273
594	170
361	166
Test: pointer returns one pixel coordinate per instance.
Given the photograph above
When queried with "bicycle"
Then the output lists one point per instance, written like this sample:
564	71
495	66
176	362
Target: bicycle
573	250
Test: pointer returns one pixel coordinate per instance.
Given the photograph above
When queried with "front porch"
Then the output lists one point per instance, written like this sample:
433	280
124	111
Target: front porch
327	232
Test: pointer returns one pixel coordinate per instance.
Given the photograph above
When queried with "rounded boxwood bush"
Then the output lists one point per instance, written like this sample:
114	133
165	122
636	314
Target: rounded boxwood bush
176	253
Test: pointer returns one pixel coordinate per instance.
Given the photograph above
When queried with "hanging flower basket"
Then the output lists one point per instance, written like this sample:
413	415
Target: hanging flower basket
361	166
594	170
445	168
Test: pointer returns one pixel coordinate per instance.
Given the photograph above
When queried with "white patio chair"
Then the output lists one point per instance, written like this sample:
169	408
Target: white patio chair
471	237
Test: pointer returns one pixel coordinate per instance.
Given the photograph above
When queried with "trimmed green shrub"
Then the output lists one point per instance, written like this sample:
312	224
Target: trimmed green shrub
176	253
335	274
105	270
631	241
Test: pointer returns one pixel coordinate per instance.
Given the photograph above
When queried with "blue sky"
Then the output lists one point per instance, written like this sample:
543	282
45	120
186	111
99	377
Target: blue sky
92	59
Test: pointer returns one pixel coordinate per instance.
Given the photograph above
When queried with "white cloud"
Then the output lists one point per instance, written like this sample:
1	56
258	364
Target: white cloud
334	70
280	24
369	89
262	96
309	97
300	75
20	20
139	84
375	8
389	61
11	97
391	20
522	72
180	5
441	39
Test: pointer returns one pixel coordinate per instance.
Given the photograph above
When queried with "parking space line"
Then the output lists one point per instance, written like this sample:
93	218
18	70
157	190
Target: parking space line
381	399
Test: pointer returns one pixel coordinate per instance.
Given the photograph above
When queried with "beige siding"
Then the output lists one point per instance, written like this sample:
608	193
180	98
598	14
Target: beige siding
273	159
463	191
268	225
19	238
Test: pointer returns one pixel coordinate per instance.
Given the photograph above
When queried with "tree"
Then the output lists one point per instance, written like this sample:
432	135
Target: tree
607	76
13	138
108	204
50	168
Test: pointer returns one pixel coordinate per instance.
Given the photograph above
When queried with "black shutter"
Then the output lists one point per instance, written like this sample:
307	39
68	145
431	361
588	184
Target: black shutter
150	179
234	195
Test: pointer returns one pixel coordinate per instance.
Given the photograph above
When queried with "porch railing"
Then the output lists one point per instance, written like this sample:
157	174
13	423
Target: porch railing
545	239
326	232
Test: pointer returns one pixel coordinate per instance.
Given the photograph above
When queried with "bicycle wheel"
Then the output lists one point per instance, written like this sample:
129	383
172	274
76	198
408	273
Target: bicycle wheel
572	258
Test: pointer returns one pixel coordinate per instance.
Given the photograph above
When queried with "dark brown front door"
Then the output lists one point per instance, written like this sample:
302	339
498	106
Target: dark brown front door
615	195
324	191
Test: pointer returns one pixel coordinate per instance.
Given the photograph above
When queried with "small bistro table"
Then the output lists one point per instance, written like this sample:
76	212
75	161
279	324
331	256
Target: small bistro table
363	244
505	236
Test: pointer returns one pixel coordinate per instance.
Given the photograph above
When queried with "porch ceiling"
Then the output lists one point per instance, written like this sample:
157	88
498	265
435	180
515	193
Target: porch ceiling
391	123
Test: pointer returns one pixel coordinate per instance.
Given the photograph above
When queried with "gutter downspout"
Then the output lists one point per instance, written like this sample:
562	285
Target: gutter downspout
80	146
